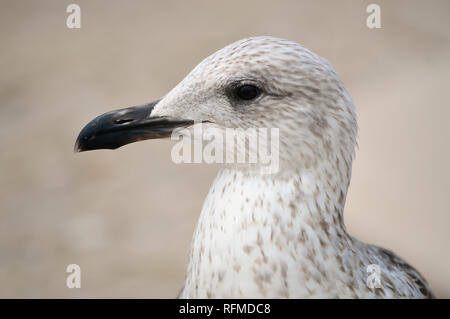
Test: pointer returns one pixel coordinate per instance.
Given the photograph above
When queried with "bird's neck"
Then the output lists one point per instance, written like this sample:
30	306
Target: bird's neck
251	222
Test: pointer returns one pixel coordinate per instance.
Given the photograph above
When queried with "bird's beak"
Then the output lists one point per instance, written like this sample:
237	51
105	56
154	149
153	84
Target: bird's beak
117	128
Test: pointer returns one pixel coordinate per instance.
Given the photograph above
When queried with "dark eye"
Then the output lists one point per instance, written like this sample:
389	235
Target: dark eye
247	92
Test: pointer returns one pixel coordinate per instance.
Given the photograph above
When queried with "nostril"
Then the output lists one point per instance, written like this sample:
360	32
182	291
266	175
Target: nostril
88	138
123	121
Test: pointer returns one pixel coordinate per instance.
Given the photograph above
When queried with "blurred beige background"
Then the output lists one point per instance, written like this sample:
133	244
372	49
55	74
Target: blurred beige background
127	216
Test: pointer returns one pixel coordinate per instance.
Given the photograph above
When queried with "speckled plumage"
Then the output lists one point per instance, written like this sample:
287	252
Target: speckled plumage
281	235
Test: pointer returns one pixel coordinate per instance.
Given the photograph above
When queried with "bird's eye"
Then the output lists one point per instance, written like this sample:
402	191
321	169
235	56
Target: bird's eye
247	92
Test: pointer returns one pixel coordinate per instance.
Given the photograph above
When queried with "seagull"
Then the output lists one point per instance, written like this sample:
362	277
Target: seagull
279	235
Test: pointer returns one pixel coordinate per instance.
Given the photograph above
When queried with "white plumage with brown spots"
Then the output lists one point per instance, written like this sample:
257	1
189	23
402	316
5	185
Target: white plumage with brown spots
278	235
282	235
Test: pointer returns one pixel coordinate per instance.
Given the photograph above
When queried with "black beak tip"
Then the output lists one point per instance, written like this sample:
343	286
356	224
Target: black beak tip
78	147
82	142
87	139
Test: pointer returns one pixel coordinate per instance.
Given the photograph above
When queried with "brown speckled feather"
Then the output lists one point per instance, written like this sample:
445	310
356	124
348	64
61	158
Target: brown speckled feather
281	235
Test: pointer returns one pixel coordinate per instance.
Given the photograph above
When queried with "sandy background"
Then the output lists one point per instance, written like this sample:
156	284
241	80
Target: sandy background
127	216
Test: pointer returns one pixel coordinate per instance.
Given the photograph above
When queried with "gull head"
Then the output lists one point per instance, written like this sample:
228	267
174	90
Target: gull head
260	82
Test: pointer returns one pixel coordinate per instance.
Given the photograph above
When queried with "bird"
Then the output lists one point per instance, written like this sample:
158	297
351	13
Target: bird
270	235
